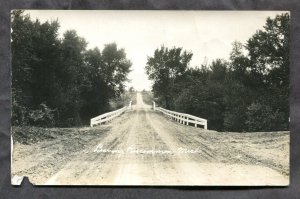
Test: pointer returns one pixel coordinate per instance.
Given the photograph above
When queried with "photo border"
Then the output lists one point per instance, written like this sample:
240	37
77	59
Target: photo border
27	190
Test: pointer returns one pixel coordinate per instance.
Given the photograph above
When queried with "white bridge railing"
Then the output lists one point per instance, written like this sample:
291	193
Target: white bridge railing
182	117
108	116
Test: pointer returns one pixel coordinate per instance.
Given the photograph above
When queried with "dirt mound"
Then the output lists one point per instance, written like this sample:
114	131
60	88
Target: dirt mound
30	135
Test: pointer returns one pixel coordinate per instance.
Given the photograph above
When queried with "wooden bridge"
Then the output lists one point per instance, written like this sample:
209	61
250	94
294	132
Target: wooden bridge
182	118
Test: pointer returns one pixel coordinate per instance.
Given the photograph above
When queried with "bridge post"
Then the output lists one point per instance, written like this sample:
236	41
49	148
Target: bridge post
130	106
153	102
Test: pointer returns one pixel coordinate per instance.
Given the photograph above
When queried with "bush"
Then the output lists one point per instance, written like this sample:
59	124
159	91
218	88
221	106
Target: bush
234	120
43	116
261	117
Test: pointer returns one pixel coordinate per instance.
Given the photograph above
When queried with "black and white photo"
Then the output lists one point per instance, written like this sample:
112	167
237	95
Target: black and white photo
133	97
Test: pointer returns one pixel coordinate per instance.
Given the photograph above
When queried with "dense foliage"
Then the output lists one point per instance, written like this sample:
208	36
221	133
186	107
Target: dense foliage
164	67
57	81
248	92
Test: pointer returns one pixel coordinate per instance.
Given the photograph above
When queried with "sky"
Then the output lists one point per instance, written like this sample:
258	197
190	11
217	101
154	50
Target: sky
207	34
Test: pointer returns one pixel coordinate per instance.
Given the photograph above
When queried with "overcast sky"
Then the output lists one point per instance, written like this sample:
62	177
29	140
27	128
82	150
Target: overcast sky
205	33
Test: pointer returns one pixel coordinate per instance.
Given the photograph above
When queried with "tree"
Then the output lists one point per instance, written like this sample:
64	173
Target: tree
22	53
200	92
249	92
164	67
96	93
71	77
269	50
236	94
260	80
131	89
239	63
45	65
35	55
108	71
236	97
115	68
269	59
56	81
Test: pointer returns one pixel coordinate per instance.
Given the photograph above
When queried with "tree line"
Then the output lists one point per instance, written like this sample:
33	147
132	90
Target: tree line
248	92
58	81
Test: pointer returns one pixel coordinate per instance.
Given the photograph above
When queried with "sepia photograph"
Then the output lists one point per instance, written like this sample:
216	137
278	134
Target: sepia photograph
150	98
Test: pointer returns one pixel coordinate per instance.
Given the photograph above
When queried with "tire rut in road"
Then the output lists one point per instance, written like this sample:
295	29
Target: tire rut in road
140	167
188	171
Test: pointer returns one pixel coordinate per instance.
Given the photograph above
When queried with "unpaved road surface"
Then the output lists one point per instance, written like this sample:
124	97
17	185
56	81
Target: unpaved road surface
142	147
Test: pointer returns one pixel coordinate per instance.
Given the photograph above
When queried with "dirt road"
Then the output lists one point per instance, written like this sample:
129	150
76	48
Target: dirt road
142	147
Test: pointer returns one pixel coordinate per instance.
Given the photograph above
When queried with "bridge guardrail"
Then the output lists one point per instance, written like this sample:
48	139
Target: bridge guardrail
183	118
108	116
